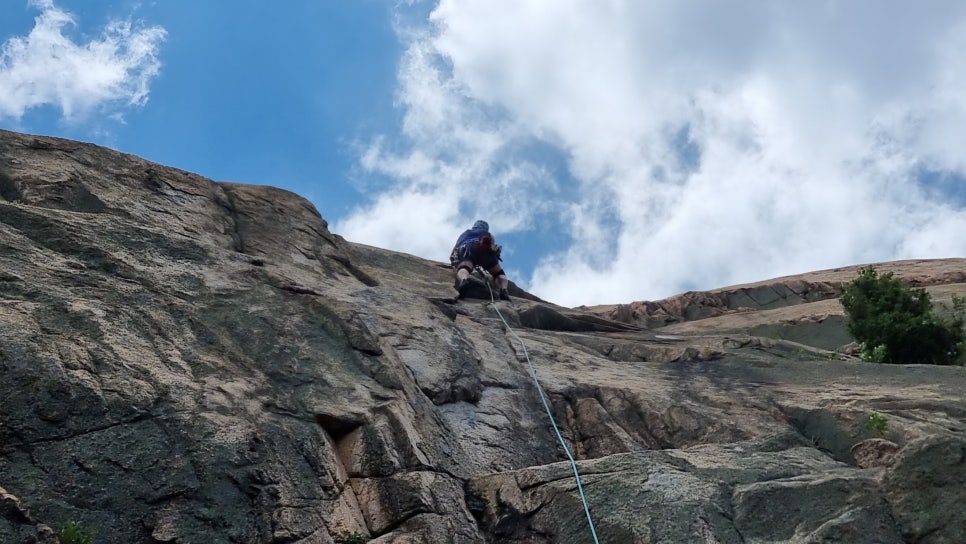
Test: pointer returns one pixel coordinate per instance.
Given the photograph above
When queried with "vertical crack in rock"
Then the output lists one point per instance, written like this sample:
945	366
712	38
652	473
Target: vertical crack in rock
9	190
356	272
226	200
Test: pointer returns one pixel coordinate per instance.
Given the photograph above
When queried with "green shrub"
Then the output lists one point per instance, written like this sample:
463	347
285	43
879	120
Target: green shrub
876	422
874	355
74	533
959	306
894	323
351	538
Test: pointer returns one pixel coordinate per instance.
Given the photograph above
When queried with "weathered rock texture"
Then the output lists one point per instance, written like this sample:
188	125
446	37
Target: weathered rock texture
186	361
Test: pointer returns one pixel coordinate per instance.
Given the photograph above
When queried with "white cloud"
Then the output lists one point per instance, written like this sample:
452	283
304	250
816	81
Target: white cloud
710	143
452	171
47	67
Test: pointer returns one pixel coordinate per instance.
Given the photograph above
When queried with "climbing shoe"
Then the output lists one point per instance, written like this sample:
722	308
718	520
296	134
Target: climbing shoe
504	295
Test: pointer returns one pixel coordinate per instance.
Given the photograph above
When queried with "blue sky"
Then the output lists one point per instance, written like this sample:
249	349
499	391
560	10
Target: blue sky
620	150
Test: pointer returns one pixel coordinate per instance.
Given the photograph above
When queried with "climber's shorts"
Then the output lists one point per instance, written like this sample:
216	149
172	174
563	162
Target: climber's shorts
476	256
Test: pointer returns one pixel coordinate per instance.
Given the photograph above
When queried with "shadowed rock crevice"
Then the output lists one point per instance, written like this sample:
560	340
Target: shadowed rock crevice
339	426
356	272
9	190
226	200
543	317
824	430
73	196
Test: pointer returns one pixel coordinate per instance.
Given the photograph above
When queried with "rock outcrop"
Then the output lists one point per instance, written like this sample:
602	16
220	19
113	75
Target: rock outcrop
188	361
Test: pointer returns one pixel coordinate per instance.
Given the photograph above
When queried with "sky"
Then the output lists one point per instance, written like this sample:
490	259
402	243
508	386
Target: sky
620	150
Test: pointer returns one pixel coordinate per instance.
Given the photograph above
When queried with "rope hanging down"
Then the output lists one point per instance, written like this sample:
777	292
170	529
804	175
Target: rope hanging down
546	406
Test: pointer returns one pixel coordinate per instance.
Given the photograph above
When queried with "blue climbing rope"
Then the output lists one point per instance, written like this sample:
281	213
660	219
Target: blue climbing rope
546	406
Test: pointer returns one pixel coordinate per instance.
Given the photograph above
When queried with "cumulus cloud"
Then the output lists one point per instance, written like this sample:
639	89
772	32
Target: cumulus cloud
706	143
451	168
48	67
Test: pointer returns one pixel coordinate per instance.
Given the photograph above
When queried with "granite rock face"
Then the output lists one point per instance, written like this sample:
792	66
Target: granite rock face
188	361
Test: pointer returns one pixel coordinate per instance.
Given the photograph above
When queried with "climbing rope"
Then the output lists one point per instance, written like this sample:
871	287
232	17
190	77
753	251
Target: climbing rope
546	406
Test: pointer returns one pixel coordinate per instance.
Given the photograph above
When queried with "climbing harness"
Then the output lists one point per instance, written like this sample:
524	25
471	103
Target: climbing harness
546	406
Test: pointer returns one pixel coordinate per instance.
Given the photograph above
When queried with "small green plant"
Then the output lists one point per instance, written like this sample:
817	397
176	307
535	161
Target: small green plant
74	533
351	538
876	423
874	355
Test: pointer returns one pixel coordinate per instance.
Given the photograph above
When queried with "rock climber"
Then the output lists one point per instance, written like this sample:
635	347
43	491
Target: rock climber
476	247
